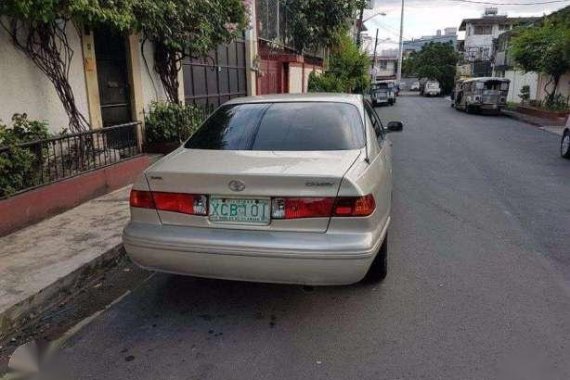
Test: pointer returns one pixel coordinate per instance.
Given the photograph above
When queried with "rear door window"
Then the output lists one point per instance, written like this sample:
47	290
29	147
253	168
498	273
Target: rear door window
291	126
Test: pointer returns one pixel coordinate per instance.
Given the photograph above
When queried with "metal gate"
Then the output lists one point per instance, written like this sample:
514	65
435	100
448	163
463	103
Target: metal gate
211	81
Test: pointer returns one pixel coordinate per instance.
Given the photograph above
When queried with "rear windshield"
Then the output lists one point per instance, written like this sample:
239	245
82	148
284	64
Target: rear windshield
291	126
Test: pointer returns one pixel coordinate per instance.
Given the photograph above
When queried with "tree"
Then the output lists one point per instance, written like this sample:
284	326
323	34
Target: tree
545	49
435	61
186	28
314	24
39	29
347	70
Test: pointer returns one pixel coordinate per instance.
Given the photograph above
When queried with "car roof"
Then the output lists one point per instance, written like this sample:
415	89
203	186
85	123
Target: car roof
354	99
485	79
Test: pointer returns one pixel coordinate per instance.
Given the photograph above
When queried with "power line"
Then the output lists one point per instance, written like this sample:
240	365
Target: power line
507	4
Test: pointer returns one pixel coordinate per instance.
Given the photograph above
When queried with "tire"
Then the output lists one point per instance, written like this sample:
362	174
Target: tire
565	145
379	268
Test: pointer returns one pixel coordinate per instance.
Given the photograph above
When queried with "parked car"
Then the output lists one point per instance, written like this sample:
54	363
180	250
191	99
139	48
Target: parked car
383	92
565	143
286	189
415	86
430	88
481	94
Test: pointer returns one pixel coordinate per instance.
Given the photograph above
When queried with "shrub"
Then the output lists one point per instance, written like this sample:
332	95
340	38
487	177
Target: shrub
18	164
347	70
557	102
525	93
171	122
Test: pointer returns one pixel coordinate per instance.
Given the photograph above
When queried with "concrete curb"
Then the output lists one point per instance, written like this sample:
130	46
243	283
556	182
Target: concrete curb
28	311
516	116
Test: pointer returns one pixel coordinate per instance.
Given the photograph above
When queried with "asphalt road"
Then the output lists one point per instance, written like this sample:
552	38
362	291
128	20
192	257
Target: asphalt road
479	282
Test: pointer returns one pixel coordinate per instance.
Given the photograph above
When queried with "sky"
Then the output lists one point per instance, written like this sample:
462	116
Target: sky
424	17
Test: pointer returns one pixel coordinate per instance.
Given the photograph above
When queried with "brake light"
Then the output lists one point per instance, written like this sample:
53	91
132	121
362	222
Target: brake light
296	208
175	202
355	206
141	199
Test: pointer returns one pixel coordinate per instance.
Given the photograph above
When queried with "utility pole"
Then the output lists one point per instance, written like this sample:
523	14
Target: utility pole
374	59
360	22
401	57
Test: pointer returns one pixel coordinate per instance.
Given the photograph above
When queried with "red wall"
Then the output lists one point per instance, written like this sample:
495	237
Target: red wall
32	206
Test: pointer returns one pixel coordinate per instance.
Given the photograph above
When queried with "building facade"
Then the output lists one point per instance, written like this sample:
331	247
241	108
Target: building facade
480	33
449	35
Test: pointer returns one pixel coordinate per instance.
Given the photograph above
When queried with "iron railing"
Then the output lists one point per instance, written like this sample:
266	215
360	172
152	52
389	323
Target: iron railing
42	162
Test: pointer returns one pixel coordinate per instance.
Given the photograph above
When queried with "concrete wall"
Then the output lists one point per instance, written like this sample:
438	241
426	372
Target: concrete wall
295	78
563	85
299	76
518	80
481	42
389	71
152	88
25	89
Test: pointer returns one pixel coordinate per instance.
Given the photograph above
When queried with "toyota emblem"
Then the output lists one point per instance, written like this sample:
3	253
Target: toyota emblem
236	185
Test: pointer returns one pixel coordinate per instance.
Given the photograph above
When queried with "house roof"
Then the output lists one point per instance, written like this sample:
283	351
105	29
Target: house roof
492	20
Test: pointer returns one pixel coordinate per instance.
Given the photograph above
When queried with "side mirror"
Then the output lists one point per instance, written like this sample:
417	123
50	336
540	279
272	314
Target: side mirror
395	126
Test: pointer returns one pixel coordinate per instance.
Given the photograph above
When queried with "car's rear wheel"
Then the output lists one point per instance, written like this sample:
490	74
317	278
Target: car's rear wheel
565	145
379	268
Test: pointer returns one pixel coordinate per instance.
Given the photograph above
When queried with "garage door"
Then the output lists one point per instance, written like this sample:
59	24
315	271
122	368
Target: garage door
211	81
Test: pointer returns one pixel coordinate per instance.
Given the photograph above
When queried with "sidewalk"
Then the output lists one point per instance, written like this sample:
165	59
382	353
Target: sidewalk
42	264
555	127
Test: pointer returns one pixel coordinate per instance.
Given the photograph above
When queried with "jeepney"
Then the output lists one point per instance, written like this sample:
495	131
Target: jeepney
383	92
485	94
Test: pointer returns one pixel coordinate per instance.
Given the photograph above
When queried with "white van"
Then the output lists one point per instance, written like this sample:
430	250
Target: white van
431	88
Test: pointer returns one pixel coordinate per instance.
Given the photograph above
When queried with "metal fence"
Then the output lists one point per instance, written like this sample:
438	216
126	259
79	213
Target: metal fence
43	162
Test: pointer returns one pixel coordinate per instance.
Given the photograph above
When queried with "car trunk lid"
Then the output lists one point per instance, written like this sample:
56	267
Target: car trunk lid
262	174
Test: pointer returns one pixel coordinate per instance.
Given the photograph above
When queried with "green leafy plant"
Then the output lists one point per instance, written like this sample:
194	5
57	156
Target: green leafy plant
186	28
545	49
171	122
40	29
347	70
525	93
435	61
558	102
18	165
315	24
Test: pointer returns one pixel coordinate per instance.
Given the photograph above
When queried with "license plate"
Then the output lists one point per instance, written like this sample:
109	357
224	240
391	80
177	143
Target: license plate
238	210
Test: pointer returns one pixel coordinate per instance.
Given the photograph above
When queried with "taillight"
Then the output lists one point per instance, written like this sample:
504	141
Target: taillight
296	208
141	199
191	204
355	206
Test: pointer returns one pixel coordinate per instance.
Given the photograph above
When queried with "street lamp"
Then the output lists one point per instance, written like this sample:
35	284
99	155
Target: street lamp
361	21
374	15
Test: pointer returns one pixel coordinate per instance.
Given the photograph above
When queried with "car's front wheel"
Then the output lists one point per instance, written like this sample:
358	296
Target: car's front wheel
565	144
379	268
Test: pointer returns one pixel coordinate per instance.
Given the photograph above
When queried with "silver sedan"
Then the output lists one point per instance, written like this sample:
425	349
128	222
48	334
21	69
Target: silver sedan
286	189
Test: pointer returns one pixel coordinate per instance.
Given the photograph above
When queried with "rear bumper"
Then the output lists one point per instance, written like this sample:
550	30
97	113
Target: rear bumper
258	256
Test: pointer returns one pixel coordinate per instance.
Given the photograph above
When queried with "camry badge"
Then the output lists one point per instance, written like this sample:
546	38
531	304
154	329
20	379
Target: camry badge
236	185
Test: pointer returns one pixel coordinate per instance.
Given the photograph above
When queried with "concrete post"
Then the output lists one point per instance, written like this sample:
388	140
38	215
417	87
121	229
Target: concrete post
251	54
91	81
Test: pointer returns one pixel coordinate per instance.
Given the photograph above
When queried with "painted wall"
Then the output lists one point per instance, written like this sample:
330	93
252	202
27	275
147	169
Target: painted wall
518	80
563	86
299	77
151	84
480	46
25	89
389	71
296	79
